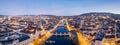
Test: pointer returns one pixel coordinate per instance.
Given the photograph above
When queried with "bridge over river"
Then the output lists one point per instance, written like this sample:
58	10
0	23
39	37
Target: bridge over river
49	35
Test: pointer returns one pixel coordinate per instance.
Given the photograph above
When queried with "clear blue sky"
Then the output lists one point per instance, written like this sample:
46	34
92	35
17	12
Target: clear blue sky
58	7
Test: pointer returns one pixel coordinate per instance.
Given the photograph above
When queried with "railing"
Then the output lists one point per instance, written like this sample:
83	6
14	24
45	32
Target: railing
61	34
50	41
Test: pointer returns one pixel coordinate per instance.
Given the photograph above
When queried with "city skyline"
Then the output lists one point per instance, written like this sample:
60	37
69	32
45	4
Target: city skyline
57	7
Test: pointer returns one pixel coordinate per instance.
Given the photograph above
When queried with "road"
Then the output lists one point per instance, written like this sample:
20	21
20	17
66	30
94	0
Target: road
45	36
81	39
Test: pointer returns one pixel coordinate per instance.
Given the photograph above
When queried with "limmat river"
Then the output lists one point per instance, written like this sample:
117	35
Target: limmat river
60	40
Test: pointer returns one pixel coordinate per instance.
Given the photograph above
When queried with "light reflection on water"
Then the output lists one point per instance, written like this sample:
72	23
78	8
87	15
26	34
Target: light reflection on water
60	40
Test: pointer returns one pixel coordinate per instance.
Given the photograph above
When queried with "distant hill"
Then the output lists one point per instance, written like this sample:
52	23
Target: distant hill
85	14
96	13
101	14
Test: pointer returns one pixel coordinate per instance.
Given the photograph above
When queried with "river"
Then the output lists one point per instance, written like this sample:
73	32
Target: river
60	40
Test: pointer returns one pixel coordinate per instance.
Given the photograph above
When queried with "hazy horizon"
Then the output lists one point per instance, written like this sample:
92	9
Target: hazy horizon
57	7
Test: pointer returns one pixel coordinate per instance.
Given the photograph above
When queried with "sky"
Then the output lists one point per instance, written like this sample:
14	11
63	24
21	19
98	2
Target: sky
57	7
